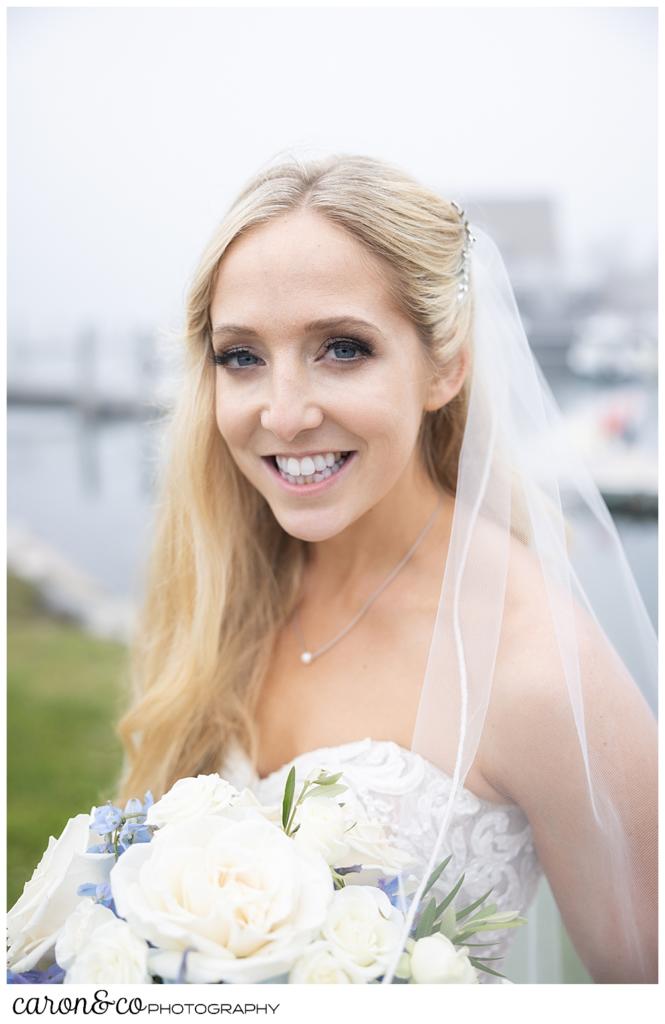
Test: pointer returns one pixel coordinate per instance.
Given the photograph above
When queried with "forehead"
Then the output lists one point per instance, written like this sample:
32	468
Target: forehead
296	268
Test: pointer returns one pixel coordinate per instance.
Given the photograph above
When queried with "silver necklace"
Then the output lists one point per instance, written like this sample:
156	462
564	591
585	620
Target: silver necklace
307	656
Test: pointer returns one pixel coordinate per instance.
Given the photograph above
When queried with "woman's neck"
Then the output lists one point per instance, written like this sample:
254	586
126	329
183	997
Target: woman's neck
351	564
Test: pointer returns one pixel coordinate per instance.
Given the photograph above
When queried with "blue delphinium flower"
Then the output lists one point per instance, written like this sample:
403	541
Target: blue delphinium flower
106	847
121	828
133	832
53	975
99	893
106	819
133	808
391	889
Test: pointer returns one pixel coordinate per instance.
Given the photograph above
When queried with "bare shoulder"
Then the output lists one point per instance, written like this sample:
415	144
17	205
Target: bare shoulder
533	723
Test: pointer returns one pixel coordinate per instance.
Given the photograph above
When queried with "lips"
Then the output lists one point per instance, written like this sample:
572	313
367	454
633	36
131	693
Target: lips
309	482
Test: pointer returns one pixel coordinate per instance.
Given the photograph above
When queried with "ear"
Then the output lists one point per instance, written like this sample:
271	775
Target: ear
445	384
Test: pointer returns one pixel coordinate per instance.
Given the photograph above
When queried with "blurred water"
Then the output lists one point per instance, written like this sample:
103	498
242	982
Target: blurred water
85	487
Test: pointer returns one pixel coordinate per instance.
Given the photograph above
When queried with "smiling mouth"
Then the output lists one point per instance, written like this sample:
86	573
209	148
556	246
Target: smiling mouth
309	470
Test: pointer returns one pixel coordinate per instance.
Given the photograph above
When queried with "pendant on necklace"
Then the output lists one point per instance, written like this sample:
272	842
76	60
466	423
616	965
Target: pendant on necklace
306	657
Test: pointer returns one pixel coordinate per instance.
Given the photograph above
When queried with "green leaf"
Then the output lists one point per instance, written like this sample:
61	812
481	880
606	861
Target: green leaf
494	923
332	790
328	780
448	923
504	918
472	906
488	970
434	877
426	920
491	908
450	897
487	926
287	802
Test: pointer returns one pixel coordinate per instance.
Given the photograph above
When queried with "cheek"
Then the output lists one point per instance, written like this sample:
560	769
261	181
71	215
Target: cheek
391	419
233	417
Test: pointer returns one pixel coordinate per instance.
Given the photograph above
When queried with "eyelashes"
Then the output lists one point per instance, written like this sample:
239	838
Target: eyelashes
346	350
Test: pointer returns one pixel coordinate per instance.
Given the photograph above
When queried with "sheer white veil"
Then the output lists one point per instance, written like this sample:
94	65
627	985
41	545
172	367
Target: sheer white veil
529	519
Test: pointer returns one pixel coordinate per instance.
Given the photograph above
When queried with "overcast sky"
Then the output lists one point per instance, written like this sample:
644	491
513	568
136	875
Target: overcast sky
130	131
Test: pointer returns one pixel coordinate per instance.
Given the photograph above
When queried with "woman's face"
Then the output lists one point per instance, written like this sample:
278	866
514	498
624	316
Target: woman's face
321	382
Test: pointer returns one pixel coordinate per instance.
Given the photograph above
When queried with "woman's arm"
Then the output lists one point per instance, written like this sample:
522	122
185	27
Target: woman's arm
532	753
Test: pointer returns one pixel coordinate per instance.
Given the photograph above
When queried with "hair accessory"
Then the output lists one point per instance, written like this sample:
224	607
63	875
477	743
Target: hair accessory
463	273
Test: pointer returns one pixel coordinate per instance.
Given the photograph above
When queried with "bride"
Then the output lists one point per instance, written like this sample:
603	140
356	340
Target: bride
365	557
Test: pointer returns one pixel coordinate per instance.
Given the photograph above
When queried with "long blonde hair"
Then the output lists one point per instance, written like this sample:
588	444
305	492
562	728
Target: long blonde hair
224	577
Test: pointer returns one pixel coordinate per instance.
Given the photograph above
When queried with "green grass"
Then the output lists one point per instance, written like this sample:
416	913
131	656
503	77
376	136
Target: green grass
65	691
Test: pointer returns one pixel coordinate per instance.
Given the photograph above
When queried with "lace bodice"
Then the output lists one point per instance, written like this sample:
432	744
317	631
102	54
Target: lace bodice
490	843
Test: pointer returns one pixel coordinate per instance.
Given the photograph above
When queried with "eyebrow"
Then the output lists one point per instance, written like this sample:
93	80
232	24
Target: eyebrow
325	324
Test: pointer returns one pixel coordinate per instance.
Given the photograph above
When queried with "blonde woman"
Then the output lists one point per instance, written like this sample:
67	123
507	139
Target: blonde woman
364	558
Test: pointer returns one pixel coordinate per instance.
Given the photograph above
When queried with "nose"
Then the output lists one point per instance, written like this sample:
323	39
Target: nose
290	408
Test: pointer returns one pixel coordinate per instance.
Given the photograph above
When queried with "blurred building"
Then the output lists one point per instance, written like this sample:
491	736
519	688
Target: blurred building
526	232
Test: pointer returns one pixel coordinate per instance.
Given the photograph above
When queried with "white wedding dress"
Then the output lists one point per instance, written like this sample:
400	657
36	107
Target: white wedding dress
490	843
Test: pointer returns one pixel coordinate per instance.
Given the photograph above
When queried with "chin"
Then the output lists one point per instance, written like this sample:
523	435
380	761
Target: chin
309	528
314	526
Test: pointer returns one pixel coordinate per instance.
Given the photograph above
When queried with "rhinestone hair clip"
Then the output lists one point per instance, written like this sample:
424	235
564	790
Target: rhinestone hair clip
463	273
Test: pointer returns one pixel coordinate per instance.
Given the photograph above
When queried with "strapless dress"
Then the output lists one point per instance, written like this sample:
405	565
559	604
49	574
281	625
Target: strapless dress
490	843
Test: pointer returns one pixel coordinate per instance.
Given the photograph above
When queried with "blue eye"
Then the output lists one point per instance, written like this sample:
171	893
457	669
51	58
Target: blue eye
236	358
348	350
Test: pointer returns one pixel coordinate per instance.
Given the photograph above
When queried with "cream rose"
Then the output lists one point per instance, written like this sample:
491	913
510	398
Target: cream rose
340	830
78	929
190	798
368	844
239	897
112	955
363	930
319	966
321	824
50	896
435	960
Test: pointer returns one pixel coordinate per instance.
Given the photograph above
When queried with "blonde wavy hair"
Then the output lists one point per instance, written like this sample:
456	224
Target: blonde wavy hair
224	577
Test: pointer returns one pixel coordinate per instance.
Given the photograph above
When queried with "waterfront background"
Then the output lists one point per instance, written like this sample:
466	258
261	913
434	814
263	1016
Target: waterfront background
130	132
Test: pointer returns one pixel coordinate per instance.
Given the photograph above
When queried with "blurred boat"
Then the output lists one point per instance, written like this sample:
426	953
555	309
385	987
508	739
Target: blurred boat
608	430
612	346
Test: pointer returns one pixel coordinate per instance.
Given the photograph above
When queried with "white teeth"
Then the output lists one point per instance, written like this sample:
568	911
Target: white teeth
308	465
311	468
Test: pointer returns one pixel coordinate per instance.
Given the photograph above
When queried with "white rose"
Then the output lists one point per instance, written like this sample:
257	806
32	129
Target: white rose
435	960
113	955
240	895
369	844
363	930
319	966
190	798
340	829
50	896
321	824
78	929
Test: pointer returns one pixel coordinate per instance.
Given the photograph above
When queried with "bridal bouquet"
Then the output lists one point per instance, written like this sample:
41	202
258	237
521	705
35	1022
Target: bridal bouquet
207	885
